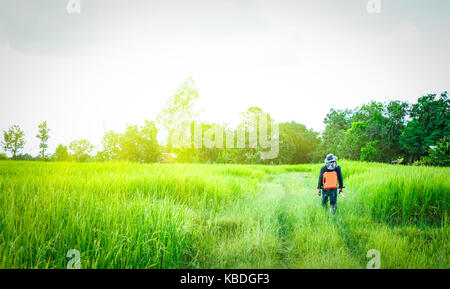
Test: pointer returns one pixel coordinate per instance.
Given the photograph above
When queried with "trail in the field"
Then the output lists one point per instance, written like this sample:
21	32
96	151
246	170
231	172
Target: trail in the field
284	225
309	235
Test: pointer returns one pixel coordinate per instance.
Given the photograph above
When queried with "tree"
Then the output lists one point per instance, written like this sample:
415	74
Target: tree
13	140
43	135
111	146
298	143
140	143
80	149
370	132
179	109
149	142
61	154
25	157
396	120
337	123
129	143
252	124
430	122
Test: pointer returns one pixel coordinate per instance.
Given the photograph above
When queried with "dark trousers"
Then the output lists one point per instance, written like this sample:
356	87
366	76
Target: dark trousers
331	194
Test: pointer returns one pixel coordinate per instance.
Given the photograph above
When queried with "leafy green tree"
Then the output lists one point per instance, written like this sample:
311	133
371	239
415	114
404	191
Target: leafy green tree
149	142
43	135
111	146
374	132
179	109
430	122
61	154
140	143
298	143
80	149
288	148
13	140
3	157
395	123
334	136
130	144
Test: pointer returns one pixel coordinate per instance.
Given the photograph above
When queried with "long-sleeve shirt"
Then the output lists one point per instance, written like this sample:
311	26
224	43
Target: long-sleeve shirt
339	175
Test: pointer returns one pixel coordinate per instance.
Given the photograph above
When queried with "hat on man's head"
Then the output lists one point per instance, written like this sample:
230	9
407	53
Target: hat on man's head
330	158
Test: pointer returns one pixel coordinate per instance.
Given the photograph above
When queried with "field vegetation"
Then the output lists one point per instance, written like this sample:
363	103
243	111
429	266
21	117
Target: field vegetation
131	215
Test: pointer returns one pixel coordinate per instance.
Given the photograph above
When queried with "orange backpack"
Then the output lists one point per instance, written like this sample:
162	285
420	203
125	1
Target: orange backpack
330	181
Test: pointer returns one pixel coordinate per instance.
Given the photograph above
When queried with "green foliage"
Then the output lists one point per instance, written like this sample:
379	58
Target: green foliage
139	143
80	150
43	135
298	144
369	152
430	122
61	154
13	140
384	132
438	155
375	132
376	129
337	123
26	157
111	146
3	157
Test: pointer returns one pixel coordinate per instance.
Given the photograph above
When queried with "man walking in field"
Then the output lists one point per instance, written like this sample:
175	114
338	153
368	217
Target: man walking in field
330	175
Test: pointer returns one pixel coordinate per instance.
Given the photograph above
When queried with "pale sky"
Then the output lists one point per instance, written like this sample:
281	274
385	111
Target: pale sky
118	61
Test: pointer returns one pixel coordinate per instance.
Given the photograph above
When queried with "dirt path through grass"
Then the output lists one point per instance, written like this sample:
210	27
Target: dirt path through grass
308	235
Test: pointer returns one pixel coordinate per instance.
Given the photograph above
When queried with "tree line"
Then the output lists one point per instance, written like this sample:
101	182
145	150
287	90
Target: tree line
395	131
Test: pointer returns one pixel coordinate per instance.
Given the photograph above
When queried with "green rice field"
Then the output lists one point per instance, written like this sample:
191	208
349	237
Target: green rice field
131	215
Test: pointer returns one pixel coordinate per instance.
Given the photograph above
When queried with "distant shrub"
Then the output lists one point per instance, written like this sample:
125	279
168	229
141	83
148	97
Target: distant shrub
439	155
3	157
24	157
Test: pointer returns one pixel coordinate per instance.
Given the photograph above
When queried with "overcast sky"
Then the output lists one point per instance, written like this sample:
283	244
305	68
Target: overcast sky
117	62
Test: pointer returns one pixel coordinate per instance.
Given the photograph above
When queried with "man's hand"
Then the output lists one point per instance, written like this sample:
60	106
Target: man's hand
320	192
340	191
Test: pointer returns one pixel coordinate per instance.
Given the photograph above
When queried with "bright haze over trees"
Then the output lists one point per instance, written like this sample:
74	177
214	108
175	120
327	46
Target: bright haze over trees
294	59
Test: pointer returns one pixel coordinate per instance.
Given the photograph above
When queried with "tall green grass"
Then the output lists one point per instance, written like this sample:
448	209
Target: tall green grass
143	216
395	193
404	194
130	215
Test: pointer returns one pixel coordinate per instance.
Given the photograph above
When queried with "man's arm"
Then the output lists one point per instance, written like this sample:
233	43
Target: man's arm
320	184
339	175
